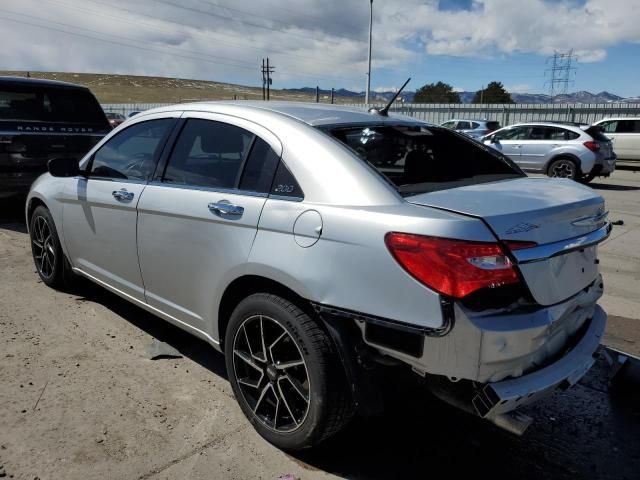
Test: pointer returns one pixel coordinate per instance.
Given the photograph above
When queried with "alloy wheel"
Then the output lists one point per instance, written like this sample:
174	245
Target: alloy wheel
44	251
563	169
271	373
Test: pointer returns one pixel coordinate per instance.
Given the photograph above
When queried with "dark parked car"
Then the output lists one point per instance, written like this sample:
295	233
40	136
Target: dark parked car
41	120
115	119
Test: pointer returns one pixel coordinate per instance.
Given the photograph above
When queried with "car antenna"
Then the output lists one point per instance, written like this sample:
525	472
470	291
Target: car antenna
384	111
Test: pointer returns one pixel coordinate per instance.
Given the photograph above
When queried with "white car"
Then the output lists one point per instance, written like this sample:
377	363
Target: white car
625	135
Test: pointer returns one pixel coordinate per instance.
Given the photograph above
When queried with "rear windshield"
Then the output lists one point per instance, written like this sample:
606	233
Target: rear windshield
596	134
419	159
51	105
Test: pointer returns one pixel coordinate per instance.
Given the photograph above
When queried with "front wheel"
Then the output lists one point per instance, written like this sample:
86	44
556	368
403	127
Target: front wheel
51	264
564	168
285	373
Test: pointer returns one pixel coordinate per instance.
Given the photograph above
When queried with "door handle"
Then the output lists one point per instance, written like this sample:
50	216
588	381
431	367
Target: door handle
224	207
123	195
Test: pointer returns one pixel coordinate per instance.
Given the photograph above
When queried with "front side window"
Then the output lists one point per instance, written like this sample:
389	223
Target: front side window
419	159
132	154
515	133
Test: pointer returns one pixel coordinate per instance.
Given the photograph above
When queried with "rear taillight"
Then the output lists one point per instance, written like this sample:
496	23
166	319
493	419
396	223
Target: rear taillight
593	146
453	267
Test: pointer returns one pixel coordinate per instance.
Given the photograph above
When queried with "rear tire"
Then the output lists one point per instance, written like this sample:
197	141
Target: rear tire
564	168
51	264
285	373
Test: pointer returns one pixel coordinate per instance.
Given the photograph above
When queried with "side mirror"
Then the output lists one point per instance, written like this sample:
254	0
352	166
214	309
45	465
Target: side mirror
64	167
493	139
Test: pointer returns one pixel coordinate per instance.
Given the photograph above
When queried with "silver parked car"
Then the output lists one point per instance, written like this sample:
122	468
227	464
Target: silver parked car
557	149
473	128
282	235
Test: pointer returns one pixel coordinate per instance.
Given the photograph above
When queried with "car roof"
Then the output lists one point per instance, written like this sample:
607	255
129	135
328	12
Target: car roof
314	114
615	119
568	126
26	81
469	120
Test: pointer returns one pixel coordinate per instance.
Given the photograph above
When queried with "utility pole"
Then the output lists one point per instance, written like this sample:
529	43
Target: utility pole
266	79
560	72
264	82
366	96
317	94
331	95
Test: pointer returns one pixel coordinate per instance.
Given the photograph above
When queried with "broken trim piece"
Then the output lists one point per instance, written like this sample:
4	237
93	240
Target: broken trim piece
446	306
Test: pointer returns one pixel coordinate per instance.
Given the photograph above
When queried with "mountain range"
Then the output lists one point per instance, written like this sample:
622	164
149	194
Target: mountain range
467	97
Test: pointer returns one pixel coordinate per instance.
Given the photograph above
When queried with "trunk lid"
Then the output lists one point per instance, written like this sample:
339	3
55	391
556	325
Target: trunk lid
539	210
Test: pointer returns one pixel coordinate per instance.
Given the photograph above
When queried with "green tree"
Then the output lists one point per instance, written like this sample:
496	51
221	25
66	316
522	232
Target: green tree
494	93
436	93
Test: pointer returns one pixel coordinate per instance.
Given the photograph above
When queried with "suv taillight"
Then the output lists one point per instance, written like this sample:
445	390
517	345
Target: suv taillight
593	146
454	267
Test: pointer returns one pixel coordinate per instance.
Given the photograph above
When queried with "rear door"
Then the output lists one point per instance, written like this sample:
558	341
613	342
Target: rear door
99	218
540	143
199	217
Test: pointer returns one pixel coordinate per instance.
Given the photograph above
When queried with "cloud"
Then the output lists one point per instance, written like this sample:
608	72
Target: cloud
519	88
535	26
309	42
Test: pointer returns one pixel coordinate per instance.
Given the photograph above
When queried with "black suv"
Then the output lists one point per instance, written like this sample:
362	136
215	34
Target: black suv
40	120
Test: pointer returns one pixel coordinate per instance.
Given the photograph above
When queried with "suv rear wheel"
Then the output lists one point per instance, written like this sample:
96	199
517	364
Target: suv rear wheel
285	373
564	168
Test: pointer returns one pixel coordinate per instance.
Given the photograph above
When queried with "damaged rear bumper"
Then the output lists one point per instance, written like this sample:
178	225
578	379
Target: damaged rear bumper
497	398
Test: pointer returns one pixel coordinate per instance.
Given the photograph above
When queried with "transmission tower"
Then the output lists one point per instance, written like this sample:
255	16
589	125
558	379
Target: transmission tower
560	71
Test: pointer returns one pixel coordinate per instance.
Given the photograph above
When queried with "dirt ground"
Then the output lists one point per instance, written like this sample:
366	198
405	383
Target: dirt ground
79	399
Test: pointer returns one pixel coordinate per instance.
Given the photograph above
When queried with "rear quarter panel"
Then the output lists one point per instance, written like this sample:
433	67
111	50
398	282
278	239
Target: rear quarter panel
349	266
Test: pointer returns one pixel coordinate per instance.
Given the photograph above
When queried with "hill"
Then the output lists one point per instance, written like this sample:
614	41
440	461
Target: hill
140	89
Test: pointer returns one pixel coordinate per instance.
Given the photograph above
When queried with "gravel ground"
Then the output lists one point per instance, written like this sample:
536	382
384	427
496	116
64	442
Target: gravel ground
79	399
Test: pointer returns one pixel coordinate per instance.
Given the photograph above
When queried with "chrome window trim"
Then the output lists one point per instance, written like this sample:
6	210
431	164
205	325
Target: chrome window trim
111	179
549	250
231	191
286	198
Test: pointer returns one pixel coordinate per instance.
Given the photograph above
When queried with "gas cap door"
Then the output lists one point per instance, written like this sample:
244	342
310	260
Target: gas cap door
307	228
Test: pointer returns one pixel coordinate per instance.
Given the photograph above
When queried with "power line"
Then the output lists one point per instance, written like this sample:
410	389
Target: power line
560	71
244	22
120	40
218	40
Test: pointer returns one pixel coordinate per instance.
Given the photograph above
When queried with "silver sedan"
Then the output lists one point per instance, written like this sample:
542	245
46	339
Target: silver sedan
312	243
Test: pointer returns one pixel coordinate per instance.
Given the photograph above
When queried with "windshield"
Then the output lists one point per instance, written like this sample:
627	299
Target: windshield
47	104
419	159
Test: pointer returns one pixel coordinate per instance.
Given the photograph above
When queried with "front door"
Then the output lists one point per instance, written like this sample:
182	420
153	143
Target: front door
199	217
99	218
509	141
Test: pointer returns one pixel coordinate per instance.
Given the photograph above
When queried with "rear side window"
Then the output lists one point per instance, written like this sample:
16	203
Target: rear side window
42	104
208	154
551	133
419	159
132	154
596	133
260	168
474	125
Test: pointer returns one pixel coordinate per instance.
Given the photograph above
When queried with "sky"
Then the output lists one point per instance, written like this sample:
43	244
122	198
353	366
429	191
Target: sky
466	43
